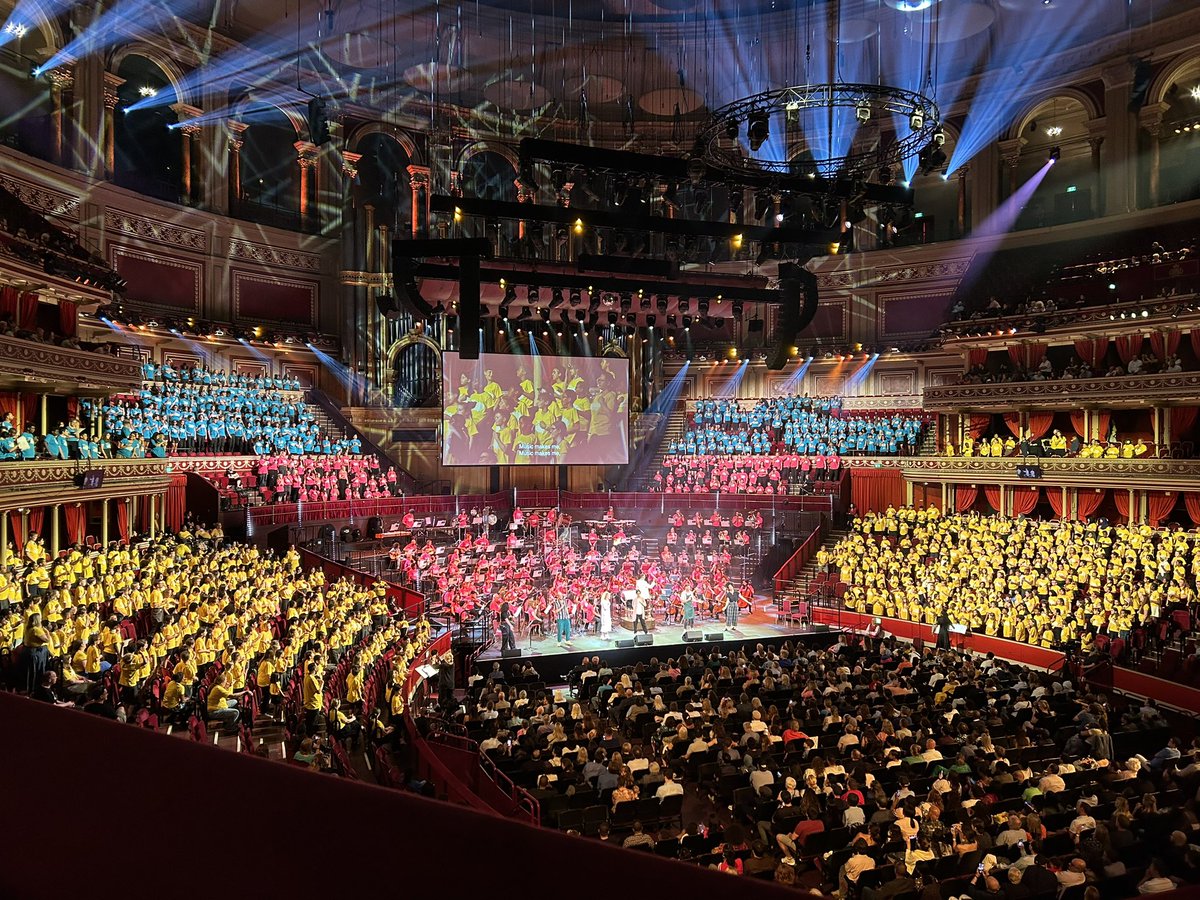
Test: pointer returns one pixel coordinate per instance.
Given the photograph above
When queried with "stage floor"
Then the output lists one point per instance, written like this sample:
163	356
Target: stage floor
759	626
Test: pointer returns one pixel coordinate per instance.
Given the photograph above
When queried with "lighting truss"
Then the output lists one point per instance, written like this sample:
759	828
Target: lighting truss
861	102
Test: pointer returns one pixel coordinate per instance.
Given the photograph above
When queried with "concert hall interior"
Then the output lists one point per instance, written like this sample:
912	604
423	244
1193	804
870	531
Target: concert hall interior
683	437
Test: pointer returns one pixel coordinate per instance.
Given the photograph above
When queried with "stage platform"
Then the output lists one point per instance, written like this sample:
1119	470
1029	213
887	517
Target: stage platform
554	660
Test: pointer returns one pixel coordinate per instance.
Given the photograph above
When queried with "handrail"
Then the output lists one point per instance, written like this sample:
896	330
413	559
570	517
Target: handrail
318	398
521	798
803	554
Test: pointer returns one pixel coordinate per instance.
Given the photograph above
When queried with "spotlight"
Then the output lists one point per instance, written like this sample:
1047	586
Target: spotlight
651	320
939	137
556	298
1055	154
685	304
916	119
758	129
16	29
576	299
146	91
731	129
696	170
660	303
531	295
738	309
687	323
862	111
702	305
612	318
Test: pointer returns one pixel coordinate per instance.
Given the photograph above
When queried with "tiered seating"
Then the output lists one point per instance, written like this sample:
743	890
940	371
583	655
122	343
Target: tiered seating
194	632
788	474
796	425
198	410
849	770
306	479
1046	583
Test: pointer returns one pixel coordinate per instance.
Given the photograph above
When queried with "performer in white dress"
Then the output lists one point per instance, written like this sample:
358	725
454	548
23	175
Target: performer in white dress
605	615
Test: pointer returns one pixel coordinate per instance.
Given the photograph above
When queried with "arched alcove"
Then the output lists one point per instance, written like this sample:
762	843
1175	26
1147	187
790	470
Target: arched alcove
1179	136
147	145
1070	189
383	180
26	112
269	170
416	365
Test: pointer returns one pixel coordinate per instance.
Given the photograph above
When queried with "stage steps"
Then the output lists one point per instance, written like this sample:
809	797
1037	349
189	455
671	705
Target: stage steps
800	586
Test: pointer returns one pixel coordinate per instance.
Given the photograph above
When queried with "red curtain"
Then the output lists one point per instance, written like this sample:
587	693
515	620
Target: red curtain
1182	420
1092	352
1121	498
122	511
1088	502
1077	418
10	402
1159	505
1013	421
976	356
1196	341
31	404
1055	496
1164	343
1039	425
978	424
177	502
1101	420
1192	502
9	297
1035	354
993	498
76	514
1024	500
37	517
14	530
1016	353
27	310
874	490
68	317
964	497
1128	346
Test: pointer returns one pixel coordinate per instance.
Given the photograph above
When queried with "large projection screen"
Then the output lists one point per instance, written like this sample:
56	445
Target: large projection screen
506	410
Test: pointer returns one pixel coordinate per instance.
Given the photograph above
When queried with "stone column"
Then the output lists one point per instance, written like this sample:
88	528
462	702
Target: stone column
188	133
1010	154
234	168
961	221
61	81
418	179
1120	141
1151	119
984	184
108	125
153	516
306	159
104	521
55	510
1096	131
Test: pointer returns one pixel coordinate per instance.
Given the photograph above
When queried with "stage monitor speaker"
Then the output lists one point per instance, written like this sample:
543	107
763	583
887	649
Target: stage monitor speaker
714	635
690	636
821	627
328	534
643	640
624	644
511	652
374	527
798	287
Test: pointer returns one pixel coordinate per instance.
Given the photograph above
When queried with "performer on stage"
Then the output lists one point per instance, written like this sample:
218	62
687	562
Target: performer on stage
563	615
689	608
731	609
641	601
941	629
606	615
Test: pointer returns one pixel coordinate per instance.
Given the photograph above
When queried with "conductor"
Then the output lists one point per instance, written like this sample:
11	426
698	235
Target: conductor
941	629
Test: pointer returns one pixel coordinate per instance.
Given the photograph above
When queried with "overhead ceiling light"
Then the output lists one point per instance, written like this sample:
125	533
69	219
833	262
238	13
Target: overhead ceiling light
16	29
1054	131
1195	92
146	91
862	112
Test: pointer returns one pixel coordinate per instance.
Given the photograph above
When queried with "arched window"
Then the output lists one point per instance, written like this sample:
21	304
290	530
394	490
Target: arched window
25	104
147	147
269	169
383	181
490	176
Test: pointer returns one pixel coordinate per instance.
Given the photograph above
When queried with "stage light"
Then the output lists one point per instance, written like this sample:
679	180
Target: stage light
696	170
702	304
1194	93
531	295
939	137
916	119
146	91
685	304
862	112
16	29
731	129
660	303
1112	286
651	320
1054	131
687	323
738	309
718	323
612	318
758	129
736	241
1055	154
579	226
556	298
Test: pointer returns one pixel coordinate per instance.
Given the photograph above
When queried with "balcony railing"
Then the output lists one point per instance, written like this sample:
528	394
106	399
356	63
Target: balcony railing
1118	392
30	364
1135	474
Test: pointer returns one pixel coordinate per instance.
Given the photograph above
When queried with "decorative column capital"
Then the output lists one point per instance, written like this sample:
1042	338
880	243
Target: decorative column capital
234	131
111	83
62	78
1150	117
418	176
1010	151
306	153
350	163
456	184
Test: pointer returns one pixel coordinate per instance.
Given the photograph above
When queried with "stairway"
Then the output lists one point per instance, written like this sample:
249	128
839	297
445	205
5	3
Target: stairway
673	430
802	585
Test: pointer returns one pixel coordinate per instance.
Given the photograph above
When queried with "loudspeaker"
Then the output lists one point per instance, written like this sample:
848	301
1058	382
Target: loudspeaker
356	535
407	293
798	287
820	627
374	526
624	644
755	326
328	534
643	640
318	121
511	652
386	304
690	636
468	307
714	635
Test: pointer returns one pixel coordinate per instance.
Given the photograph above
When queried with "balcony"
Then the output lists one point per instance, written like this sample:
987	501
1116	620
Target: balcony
1120	392
1135	474
32	367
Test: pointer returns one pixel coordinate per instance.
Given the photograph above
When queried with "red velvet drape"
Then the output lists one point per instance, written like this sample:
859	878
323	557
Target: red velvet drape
964	497
1035	353
30	406
1092	352
874	490
992	493
1077	418
1013	421
978	424
27	310
1102	420
14	532
1128	346
1024	500
1055	496
1192	502
177	502
1159	505
10	402
68	318
1016	354
1164	343
37	517
76	516
1088	502
122	512
1121	499
9	301
976	356
1039	425
1182	420
1195	339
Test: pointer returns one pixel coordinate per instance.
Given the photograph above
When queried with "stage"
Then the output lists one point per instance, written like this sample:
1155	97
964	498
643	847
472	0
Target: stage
554	660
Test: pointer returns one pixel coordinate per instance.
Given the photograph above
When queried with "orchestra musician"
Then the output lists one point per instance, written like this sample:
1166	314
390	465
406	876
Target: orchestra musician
394	555
410	518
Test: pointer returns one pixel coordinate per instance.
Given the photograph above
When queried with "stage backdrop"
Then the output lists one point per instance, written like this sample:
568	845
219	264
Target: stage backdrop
534	410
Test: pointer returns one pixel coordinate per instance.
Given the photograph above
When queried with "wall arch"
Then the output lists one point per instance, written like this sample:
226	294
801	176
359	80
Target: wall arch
407	341
483	147
1189	62
1090	107
166	63
403	138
